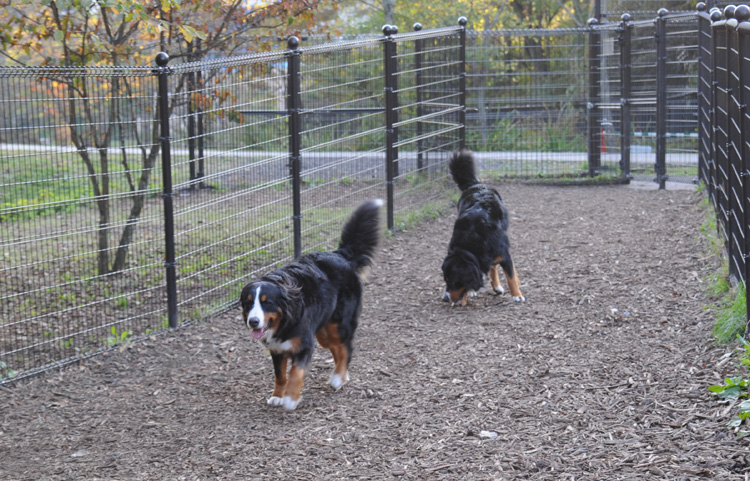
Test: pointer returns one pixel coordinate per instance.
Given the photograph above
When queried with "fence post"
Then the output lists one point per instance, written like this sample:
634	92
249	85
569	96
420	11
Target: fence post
420	109
167	195
626	35
742	14
594	134
293	105
462	83
660	167
391	154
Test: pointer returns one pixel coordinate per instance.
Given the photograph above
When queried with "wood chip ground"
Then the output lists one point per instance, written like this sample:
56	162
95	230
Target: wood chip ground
601	374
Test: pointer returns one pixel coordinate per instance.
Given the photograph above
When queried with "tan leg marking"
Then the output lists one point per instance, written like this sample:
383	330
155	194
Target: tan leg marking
513	284
294	385
464	299
329	338
495	278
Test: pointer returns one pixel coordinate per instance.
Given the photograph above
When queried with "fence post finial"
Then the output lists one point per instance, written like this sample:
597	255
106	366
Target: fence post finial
462	21
292	43
162	59
729	11
417	27
742	13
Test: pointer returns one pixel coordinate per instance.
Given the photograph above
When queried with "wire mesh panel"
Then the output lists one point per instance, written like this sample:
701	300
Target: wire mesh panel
707	167
342	136
81	236
720	137
609	106
527	100
643	101
233	214
682	97
427	121
735	172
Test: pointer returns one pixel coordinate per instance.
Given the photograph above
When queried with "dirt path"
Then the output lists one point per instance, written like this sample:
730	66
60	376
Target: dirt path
600	375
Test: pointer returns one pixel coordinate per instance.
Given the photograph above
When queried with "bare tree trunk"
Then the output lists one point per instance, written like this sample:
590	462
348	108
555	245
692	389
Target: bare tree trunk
389	7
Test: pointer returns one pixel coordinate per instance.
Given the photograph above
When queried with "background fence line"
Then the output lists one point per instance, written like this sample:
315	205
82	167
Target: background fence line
264	156
725	128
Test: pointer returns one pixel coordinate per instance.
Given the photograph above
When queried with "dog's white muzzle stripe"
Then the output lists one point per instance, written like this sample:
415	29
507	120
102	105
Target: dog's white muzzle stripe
256	311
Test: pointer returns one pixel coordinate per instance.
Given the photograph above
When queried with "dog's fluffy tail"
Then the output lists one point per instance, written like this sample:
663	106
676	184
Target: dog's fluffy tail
462	169
361	235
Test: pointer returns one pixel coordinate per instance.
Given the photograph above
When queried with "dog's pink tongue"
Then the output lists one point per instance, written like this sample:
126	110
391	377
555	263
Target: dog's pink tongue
257	333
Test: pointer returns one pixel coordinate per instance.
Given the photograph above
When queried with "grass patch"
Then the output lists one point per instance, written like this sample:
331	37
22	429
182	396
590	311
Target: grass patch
730	325
731	318
573	180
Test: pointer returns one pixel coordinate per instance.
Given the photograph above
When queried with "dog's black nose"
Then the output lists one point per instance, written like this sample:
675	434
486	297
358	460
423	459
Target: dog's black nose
253	322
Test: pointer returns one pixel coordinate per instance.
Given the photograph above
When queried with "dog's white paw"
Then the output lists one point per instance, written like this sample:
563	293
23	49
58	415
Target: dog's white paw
473	293
519	298
337	381
446	296
274	401
499	289
289	403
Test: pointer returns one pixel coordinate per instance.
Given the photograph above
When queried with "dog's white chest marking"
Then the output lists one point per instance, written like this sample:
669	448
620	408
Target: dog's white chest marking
274	345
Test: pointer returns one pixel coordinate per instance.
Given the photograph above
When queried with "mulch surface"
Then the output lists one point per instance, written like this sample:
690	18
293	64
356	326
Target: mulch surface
601	374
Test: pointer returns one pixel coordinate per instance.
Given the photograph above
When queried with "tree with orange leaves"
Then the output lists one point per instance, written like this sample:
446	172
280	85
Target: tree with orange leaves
114	33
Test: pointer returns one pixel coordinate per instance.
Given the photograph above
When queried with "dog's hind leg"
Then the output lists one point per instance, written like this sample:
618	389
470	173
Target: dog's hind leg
279	371
329	338
512	277
495	280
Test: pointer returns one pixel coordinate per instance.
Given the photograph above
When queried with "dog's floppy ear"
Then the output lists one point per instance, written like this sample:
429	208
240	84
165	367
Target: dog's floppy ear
289	300
476	280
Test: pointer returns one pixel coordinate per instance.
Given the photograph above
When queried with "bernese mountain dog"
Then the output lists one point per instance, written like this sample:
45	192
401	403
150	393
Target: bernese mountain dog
480	238
318	296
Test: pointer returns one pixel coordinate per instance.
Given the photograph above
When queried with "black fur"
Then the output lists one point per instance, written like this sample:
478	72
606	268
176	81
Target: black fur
317	289
480	235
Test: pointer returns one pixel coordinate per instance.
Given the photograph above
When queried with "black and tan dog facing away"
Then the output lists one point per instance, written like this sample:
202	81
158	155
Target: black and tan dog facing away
317	296
480	238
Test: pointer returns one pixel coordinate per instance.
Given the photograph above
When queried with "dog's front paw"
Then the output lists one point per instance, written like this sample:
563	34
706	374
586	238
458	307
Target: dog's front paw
499	289
289	403
519	298
274	401
473	293
446	296
337	381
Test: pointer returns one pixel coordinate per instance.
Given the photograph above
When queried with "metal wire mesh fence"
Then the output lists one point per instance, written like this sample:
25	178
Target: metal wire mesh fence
725	128
79	173
135	199
527	101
